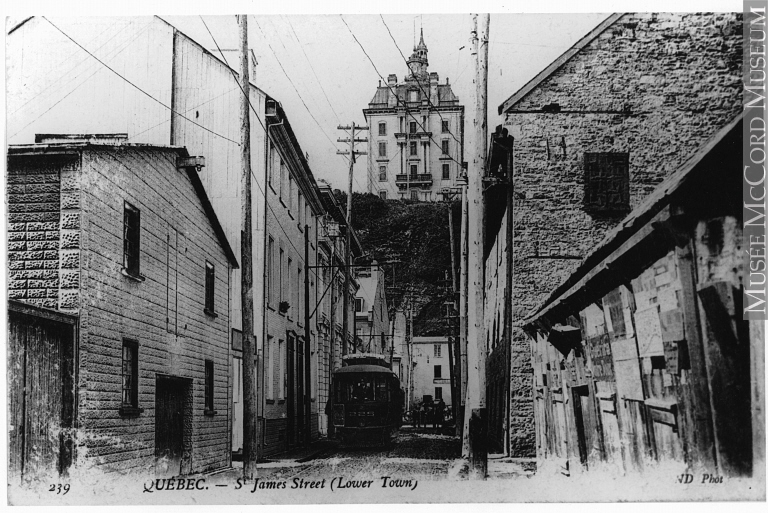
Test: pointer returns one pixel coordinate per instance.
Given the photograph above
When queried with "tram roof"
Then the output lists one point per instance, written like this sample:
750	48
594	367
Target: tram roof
364	369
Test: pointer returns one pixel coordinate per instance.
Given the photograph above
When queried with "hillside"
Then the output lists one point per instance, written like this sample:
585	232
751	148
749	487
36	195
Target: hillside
416	235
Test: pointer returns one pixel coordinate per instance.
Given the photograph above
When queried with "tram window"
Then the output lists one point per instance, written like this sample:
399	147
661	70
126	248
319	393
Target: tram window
381	390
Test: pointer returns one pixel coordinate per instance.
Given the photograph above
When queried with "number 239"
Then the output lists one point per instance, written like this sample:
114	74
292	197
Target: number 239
59	488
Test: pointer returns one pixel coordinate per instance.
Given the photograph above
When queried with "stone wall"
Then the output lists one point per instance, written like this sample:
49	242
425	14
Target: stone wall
163	312
656	86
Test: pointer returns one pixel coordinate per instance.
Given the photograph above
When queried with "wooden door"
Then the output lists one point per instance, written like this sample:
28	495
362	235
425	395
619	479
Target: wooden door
169	425
41	394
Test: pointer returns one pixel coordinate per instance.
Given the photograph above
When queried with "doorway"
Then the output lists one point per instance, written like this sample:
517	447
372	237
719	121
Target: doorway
173	413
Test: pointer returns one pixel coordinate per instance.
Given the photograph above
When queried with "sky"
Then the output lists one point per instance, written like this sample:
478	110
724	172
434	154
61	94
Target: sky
318	71
322	76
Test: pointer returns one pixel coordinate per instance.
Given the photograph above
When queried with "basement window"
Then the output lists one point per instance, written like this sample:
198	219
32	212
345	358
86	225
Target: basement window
129	405
209	388
606	183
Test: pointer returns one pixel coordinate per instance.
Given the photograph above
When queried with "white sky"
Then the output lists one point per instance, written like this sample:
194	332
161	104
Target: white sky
341	80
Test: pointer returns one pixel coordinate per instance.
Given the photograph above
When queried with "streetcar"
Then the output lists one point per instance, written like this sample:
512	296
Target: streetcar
367	405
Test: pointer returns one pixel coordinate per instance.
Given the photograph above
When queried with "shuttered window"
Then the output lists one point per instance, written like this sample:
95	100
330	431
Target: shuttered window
210	280
130	374
209	386
606	183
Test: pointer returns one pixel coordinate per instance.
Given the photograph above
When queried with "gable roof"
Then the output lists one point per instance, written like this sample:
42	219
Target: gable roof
194	177
558	63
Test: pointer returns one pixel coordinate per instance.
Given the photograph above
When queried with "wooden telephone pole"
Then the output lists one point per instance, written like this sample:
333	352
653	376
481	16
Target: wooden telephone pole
250	403
352	153
477	352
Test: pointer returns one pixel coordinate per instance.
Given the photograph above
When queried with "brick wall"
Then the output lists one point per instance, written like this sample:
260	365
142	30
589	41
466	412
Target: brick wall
163	313
654	85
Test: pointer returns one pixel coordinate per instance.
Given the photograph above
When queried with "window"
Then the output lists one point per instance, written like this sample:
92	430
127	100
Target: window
414	169
412	127
414	149
382	149
130	374
210	281
446	171
438	393
281	379
281	283
290	283
271	271
414	195
438	350
383	195
269	365
445	146
606	183
438	372
413	95
290	192
209	387
281	192
382	128
446	126
272	165
301	211
382	173
358	304
299	302
131	238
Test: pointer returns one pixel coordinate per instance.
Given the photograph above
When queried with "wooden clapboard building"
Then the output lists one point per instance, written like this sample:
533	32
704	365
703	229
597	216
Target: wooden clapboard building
641	356
119	275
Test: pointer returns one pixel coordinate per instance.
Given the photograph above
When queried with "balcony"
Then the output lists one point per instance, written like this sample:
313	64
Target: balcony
413	135
420	179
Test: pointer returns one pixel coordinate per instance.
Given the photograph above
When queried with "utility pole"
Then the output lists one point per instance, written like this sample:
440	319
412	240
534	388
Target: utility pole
250	421
476	346
307	345
352	153
463	321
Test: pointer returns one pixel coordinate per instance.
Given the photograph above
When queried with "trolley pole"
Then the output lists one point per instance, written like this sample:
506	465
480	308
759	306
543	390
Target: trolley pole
352	153
250	421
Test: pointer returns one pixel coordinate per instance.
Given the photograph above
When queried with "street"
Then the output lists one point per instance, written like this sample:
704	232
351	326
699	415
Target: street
415	454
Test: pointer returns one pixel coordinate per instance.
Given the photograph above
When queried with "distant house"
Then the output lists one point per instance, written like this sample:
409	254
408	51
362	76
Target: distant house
594	134
119	276
431	370
372	326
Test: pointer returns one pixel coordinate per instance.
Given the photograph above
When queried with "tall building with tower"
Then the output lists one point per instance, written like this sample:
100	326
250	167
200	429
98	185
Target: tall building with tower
416	142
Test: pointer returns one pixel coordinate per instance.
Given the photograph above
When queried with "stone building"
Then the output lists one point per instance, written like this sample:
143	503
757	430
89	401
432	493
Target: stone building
330	297
642	356
594	134
416	137
122	237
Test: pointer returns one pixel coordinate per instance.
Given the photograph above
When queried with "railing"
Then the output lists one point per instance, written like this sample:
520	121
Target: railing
420	178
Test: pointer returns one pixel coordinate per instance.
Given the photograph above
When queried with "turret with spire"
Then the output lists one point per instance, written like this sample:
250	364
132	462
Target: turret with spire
418	61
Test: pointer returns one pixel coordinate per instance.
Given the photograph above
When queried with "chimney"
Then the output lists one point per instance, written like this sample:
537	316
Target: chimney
392	83
433	80
446	81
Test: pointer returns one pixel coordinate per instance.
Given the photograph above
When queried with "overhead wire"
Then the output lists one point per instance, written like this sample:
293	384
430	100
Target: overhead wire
137	87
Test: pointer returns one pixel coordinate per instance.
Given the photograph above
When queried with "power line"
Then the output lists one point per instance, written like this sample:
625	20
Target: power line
137	87
418	82
312	68
297	91
392	90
